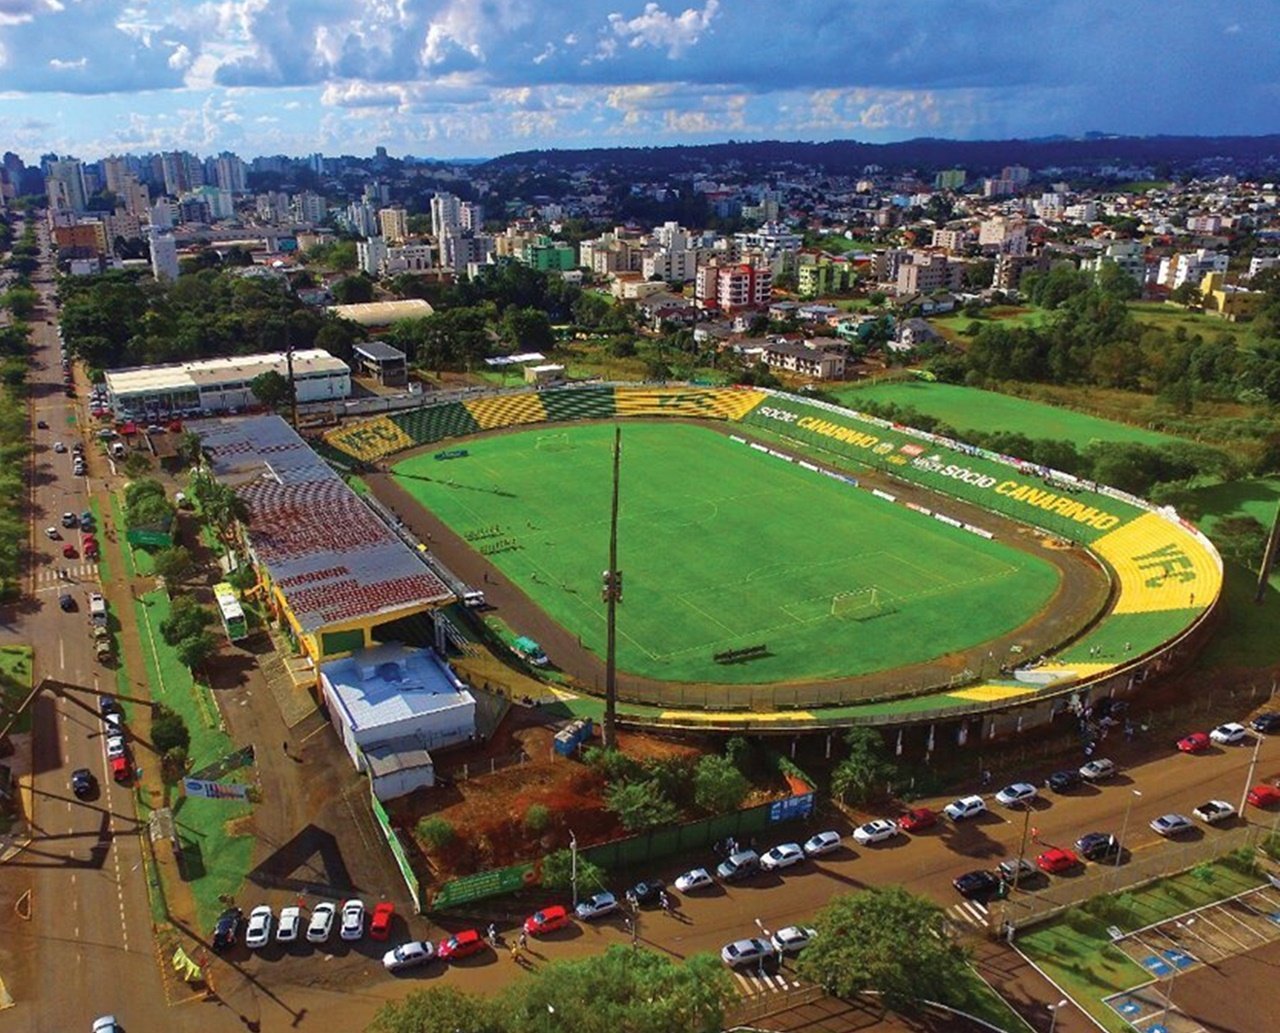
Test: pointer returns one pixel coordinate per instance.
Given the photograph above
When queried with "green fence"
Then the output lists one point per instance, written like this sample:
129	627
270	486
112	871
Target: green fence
397	851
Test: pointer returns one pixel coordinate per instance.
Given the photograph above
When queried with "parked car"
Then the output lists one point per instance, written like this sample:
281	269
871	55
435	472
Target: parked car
1056	859
1196	742
1211	812
59	447
1171	824
739	866
83	783
1098	769
290	924
380	923
876	831
257	933
1098	846
548	920
1016	795
1229	734
460	945
1267	722
753	951
66	602
106	1024
792	939
121	769
822	843
408	955
602	904
916	819
977	885
695	879
1264	795
115	746
321	925
784	855
648	892
70	520
108	705
226	931
965	807
1018	867
352	920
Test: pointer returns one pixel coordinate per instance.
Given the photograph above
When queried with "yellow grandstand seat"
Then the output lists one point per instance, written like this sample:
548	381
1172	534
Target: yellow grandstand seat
507	410
369	440
1160	565
713	403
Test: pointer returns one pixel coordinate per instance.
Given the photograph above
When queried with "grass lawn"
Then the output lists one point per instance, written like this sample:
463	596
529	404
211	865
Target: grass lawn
15	684
1169	318
981	1001
1078	956
703	517
957	322
218	858
970	408
838	243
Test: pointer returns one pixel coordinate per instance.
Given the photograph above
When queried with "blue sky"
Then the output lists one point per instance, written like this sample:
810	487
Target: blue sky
464	78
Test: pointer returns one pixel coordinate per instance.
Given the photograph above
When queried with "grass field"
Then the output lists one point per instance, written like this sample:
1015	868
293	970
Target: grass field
1169	318
15	685
724	547
970	408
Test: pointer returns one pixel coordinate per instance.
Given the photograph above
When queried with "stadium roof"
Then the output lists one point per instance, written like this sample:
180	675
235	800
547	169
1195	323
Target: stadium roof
208	372
383	313
334	561
388	684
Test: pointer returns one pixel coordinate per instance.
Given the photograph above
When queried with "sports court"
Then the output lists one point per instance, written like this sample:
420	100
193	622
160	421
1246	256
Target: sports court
724	548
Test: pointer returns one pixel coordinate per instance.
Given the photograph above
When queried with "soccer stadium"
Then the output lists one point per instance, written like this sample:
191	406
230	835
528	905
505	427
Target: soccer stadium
789	563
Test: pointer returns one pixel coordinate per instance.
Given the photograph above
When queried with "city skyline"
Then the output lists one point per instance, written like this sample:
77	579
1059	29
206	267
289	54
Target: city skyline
458	80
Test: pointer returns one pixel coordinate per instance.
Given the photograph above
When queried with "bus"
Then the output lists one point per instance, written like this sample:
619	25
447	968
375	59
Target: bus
232	615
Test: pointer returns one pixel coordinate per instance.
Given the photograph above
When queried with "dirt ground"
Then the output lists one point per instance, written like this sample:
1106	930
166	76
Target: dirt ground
1232	996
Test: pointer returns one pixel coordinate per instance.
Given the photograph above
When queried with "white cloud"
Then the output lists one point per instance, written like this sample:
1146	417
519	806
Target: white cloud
181	57
63	66
654	27
363	95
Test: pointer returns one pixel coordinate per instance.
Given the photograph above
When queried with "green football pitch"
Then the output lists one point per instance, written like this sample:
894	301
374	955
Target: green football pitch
723	547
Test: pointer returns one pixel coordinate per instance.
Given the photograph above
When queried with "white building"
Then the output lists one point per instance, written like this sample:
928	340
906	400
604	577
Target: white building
1129	255
1003	236
371	254
1262	262
471	216
1191	267
410	258
394	224
446	215
458	250
164	257
390	706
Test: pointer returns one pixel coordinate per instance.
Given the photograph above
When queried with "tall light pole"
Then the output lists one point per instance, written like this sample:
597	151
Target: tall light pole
1053	1010
1022	848
573	865
612	595
1248	778
1124	828
1173	972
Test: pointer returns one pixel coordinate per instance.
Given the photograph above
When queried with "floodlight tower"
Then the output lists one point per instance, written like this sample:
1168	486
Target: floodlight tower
611	593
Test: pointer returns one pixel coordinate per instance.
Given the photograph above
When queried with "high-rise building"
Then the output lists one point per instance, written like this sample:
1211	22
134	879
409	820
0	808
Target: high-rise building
164	257
394	224
371	253
64	184
229	172
949	179
114	171
446	215
459	250
308	207
134	196
182	171
362	217
471	216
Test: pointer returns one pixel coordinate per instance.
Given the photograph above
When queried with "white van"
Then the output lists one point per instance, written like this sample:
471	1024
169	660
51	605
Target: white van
118	449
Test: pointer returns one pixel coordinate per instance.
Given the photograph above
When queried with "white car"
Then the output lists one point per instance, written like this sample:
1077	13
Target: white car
1213	811
784	855
594	907
106	1024
1016	794
746	952
115	746
290	924
965	807
1171	824
876	831
59	447
1228	734
321	922
822	843
696	879
257	933
408	955
1096	770
352	920
792	939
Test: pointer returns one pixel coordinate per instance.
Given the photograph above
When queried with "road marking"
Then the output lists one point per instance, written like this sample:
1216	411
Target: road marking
62	655
969	912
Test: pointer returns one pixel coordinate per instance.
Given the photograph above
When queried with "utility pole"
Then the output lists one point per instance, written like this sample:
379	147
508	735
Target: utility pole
1269	556
288	358
1248	778
612	593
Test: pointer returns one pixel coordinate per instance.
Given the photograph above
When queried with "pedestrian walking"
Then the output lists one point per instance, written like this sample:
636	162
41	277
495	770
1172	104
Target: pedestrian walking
664	901
493	935
523	941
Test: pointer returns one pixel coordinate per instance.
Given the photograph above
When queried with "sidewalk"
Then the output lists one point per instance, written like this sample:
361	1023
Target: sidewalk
1028	992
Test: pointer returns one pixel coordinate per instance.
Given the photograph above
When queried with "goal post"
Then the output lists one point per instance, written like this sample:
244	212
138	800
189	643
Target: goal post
859	604
554	442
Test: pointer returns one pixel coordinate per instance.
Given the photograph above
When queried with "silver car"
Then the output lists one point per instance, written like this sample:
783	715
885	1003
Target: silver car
752	951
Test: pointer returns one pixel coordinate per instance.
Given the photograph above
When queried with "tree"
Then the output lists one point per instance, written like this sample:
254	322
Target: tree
195	649
174	565
168	730
527	329
718	786
557	872
888	940
436	832
188	448
1241	540
353	290
640	805
136	464
1188	294
865	770
186	618
440	1009
272	389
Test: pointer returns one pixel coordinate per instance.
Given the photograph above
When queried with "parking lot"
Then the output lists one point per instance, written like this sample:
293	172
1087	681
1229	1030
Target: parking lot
1196	948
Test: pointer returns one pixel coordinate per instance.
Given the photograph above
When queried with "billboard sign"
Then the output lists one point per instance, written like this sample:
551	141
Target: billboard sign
214	790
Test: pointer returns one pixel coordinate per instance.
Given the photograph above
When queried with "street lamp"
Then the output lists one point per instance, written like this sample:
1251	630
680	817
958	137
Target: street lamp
1053	1009
1124	827
1248	778
573	865
1173	972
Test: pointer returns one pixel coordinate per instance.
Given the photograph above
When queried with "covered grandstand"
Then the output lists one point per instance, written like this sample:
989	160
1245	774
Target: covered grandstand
1167	576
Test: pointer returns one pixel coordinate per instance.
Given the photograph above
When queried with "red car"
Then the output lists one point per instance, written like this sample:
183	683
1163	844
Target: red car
1056	859
1196	742
121	770
916	819
69	551
1264	795
547	920
460	945
380	924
